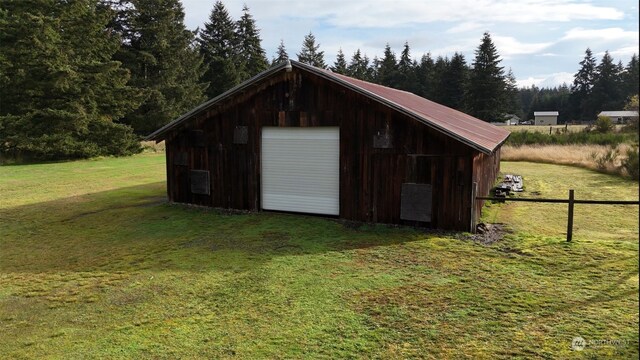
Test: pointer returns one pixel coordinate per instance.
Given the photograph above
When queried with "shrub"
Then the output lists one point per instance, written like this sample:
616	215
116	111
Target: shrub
630	163
571	138
604	125
605	160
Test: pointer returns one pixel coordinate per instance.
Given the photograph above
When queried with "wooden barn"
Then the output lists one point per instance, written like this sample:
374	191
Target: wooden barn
297	138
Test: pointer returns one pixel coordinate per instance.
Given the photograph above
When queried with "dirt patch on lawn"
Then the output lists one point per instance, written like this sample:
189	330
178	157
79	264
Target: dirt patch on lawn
488	234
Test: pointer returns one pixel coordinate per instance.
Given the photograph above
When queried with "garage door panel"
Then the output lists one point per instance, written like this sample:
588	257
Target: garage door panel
300	169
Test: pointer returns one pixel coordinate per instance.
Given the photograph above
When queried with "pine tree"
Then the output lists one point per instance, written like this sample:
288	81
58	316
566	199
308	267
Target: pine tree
407	79
606	88
455	80
158	51
387	69
424	75
439	81
359	67
310	54
340	65
219	48
281	54
61	91
631	77
486	89
511	99
252	55
581	90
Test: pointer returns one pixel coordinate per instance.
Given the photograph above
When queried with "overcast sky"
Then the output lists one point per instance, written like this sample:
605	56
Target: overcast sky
541	40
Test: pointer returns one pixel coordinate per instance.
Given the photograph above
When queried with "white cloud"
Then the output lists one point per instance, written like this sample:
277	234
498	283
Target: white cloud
384	13
608	34
626	51
547	81
509	46
466	27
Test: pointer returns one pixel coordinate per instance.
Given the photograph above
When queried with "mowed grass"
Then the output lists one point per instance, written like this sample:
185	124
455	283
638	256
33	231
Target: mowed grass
95	264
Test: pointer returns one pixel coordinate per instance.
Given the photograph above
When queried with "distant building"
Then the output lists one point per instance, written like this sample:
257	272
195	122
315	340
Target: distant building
546	117
620	117
512	119
509	119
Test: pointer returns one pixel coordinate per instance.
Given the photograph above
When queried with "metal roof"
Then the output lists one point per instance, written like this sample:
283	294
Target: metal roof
619	113
467	129
546	113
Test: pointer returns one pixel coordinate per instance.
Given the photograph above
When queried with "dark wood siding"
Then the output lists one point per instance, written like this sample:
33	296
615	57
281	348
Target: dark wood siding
371	177
486	169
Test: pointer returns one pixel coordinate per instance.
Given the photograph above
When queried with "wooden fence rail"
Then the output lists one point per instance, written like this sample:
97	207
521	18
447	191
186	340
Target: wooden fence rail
571	201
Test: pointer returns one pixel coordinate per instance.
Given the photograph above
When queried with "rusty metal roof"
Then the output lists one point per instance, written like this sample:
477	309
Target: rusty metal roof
469	130
472	131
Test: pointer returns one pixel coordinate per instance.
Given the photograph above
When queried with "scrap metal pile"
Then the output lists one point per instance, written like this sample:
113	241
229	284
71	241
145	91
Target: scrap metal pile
510	183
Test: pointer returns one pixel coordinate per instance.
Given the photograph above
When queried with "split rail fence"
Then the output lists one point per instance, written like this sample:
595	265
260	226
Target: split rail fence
571	201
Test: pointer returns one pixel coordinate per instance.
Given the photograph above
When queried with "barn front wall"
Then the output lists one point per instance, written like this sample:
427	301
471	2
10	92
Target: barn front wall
380	150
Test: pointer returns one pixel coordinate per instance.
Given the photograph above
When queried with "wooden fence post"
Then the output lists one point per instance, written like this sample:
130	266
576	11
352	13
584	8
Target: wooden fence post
570	217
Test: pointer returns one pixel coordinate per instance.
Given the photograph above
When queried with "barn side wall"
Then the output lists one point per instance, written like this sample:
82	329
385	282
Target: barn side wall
371	178
485	172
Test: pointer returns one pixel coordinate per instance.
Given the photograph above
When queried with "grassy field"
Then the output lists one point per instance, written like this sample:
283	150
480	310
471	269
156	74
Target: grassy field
584	156
554	128
95	264
545	128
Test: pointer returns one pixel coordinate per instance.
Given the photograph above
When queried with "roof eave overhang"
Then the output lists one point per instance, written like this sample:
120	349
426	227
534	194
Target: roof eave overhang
158	135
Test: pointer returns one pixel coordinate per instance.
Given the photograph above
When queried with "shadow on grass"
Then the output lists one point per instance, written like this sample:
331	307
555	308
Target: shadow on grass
135	228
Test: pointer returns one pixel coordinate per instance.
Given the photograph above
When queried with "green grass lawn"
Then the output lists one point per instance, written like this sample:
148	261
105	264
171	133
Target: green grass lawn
95	264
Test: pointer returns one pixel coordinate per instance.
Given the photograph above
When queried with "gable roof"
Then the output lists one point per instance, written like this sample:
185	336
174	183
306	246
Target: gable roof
467	129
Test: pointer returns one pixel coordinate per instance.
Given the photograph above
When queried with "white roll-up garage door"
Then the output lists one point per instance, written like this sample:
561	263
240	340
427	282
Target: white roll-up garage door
301	169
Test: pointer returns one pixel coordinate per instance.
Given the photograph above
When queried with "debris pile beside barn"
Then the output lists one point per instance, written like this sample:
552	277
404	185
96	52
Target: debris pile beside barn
510	183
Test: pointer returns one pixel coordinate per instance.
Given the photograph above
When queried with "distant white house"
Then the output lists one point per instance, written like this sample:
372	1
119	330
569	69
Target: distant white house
509	119
512	119
620	117
546	117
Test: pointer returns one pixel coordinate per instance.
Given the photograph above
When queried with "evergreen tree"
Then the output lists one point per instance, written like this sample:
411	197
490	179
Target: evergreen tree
310	53
455	82
252	55
281	54
219	48
424	75
631	77
581	90
606	88
61	91
511	99
340	65
359	67
158	51
407	79
486	91
387	69
439	82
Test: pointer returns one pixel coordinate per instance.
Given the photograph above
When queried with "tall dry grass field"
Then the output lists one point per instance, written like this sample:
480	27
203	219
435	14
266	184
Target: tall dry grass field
585	156
554	128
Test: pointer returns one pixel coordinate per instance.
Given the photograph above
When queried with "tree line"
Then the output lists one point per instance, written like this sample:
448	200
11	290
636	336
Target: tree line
90	77
596	87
